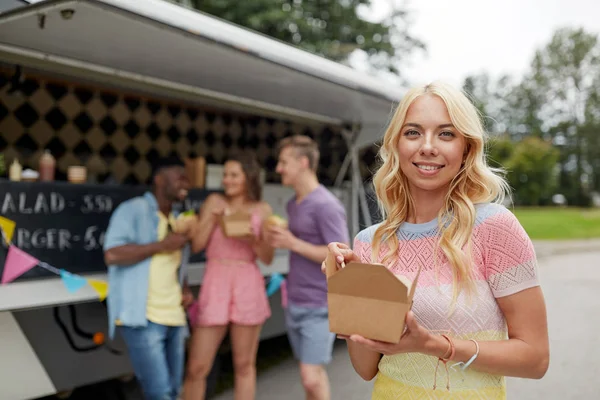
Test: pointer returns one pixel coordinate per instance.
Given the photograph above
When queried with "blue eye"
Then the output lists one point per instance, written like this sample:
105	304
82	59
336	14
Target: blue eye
411	133
447	134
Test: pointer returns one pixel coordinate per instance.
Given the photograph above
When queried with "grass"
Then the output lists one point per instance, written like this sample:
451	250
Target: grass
553	223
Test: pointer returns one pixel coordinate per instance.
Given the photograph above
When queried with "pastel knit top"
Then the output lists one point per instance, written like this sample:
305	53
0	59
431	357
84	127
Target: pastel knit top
504	263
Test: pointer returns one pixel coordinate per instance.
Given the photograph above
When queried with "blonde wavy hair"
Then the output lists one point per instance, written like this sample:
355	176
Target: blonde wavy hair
475	182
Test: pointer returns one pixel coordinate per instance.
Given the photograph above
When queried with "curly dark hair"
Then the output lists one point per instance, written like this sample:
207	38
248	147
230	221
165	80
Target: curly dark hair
251	169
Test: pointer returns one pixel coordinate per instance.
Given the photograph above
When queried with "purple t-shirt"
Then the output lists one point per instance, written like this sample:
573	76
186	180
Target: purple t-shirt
320	218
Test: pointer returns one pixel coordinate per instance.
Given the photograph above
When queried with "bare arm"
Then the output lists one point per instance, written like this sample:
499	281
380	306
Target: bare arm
205	223
279	237
332	226
364	360
264	251
312	252
525	354
130	254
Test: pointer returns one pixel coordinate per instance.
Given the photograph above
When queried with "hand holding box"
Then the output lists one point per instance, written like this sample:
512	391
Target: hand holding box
368	300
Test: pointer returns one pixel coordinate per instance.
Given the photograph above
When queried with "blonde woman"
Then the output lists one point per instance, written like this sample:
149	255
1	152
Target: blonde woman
479	313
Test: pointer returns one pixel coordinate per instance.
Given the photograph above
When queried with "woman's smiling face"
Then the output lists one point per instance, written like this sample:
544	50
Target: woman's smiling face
430	148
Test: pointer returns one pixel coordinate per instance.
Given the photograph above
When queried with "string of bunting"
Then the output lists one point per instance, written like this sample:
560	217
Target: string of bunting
19	262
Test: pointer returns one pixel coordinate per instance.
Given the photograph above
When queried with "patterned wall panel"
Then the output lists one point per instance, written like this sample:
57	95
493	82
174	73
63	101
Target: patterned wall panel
118	134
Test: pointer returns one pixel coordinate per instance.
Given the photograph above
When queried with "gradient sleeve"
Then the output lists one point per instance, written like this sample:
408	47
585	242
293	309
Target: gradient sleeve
510	260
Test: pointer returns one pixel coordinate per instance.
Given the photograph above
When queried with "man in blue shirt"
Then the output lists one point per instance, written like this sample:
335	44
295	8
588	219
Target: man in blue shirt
146	273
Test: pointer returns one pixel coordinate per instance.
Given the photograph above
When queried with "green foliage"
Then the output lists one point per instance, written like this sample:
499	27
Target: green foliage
566	72
331	28
532	171
500	149
558	100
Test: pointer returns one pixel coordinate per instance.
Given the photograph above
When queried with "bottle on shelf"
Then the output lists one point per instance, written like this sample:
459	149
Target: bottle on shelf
14	172
47	167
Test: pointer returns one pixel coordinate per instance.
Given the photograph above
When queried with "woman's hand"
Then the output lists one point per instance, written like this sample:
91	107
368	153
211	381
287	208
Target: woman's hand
219	209
415	339
187	298
342	255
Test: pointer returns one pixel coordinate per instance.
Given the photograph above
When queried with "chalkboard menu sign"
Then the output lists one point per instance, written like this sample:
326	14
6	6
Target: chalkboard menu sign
63	224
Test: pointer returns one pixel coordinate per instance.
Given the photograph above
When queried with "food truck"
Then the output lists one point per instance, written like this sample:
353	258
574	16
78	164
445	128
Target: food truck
108	86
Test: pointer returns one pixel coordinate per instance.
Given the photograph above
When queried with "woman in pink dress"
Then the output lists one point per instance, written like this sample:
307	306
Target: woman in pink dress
233	290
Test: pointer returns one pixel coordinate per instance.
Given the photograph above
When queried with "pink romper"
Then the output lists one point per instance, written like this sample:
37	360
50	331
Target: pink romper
233	288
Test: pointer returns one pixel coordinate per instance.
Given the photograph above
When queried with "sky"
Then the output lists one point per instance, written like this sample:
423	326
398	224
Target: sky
470	36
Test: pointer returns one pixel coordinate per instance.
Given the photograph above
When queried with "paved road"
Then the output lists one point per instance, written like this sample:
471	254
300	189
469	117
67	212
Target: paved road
571	284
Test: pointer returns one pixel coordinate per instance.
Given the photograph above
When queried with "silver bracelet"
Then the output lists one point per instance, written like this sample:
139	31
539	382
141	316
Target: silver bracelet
463	365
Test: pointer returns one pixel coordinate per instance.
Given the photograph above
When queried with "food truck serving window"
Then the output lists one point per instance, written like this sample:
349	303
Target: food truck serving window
63	224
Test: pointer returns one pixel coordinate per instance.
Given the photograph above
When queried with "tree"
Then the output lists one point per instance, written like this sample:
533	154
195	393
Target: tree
532	171
523	107
478	88
500	150
492	99
591	132
566	73
330	28
557	100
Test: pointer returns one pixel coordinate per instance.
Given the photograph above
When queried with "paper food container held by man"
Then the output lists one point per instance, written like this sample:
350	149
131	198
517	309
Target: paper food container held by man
184	223
237	225
276	220
368	300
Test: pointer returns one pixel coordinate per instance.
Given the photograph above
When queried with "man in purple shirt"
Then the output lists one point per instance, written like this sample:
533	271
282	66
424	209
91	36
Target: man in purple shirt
315	218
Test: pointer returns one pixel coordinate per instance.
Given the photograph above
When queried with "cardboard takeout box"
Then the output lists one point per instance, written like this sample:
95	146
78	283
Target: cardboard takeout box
237	225
368	300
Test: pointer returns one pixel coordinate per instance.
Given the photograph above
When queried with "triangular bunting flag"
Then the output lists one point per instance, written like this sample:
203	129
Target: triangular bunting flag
100	287
8	226
71	281
17	263
274	283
